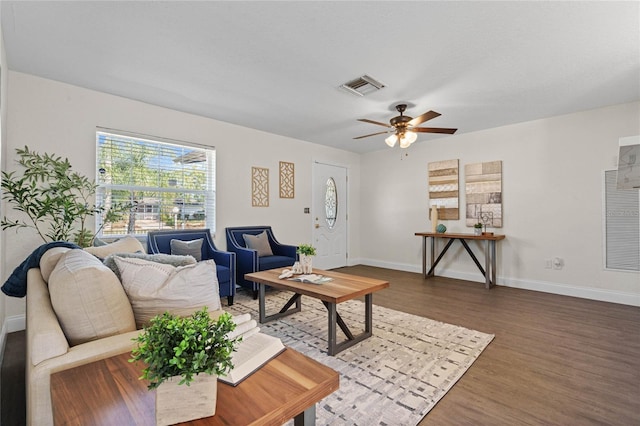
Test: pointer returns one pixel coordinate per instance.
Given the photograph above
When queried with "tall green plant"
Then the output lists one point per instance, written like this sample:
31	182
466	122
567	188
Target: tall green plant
56	200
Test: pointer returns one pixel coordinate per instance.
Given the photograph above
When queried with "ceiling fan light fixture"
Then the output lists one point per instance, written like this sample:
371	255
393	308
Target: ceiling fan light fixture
391	140
407	138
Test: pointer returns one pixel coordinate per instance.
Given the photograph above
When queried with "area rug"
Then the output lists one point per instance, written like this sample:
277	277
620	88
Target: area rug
392	378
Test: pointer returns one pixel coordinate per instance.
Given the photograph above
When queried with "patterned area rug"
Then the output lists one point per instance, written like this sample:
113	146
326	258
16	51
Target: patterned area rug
392	378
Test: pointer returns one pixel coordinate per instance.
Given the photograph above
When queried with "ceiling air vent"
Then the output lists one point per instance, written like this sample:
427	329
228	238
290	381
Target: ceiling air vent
362	85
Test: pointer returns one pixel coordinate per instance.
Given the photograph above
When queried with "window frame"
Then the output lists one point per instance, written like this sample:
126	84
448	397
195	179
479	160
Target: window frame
161	145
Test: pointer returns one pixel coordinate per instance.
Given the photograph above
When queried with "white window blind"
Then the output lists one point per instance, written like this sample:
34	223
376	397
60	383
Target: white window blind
169	185
622	225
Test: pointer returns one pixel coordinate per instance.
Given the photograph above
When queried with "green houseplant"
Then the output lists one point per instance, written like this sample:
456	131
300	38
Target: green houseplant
191	350
305	251
56	200
477	228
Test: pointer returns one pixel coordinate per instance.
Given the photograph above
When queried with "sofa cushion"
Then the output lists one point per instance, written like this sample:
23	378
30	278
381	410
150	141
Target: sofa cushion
126	244
272	262
259	242
50	259
88	299
154	288
110	261
187	248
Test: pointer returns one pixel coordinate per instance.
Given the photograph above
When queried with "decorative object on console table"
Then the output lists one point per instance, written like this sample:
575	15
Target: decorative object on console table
441	229
306	251
477	229
434	218
173	346
259	187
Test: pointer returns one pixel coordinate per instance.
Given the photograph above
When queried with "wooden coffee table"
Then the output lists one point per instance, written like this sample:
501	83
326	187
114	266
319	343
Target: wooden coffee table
108	392
343	287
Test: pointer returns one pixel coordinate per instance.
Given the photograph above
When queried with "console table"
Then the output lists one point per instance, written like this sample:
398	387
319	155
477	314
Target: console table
108	392
489	271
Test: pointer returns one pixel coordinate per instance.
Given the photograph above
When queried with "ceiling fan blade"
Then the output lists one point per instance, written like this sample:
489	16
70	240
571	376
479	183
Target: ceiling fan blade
373	122
433	130
372	134
424	117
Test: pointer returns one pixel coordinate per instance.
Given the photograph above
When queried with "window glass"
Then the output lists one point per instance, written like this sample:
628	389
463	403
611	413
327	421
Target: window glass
168	185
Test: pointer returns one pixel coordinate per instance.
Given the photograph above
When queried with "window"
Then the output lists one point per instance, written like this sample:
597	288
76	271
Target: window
168	184
622	226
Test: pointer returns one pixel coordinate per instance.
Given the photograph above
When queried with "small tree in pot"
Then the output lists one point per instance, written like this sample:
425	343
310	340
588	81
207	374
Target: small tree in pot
56	200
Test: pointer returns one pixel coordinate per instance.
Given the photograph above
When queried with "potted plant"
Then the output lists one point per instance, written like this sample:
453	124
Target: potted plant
56	199
189	351
305	251
477	229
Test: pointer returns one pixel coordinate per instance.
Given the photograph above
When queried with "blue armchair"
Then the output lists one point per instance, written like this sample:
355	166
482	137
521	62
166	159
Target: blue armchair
248	260
160	242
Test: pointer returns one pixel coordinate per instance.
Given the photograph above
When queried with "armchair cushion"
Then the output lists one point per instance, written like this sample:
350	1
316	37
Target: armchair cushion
187	248
259	243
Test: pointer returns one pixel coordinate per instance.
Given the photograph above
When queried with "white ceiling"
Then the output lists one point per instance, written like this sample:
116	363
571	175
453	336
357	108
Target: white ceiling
276	66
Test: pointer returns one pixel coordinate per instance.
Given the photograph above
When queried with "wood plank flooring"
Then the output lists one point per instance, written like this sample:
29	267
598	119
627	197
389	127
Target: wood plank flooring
555	359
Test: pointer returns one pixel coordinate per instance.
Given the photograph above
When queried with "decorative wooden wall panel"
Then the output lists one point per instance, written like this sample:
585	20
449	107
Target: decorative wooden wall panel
259	187
444	188
287	180
484	193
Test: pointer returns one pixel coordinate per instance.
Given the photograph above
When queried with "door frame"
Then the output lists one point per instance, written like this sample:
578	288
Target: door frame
346	195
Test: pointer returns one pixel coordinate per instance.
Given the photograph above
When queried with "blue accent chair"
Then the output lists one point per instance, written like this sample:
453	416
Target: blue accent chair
248	260
160	242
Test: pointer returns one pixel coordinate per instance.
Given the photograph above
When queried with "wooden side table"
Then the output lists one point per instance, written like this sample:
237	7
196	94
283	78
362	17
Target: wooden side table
108	392
489	271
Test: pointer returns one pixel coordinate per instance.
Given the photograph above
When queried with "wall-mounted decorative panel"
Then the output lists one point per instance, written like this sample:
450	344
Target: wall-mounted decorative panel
484	193
287	180
444	188
259	187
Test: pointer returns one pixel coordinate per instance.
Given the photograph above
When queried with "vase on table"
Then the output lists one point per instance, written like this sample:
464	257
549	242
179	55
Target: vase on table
306	263
180	403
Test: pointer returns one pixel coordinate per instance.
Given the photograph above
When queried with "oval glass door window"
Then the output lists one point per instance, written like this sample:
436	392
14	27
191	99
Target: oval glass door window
331	203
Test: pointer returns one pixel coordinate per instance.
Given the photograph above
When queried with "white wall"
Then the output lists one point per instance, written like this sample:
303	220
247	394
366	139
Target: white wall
552	202
58	118
3	138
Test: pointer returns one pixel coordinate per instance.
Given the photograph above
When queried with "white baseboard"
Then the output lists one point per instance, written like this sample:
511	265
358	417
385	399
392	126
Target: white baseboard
15	323
602	295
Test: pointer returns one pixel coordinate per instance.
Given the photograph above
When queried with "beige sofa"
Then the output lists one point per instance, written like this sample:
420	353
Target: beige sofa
48	350
80	311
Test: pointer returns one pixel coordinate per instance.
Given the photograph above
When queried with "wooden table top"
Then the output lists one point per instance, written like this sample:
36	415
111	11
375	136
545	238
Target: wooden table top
343	287
108	392
494	237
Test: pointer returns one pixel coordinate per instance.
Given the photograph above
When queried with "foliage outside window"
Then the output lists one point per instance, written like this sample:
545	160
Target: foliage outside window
170	186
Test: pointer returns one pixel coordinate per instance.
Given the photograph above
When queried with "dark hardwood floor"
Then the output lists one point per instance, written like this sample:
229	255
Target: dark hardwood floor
555	360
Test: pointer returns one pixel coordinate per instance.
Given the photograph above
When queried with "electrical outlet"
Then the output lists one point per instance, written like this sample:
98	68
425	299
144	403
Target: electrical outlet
548	264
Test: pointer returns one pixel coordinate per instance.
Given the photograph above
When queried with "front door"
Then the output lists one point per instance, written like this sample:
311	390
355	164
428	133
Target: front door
329	211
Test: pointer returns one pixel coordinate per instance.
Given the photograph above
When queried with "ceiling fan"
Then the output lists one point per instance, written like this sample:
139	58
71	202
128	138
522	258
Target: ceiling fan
404	127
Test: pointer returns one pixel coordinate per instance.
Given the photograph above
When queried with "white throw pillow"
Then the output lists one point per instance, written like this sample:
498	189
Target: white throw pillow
127	244
88	299
259	242
155	288
50	259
